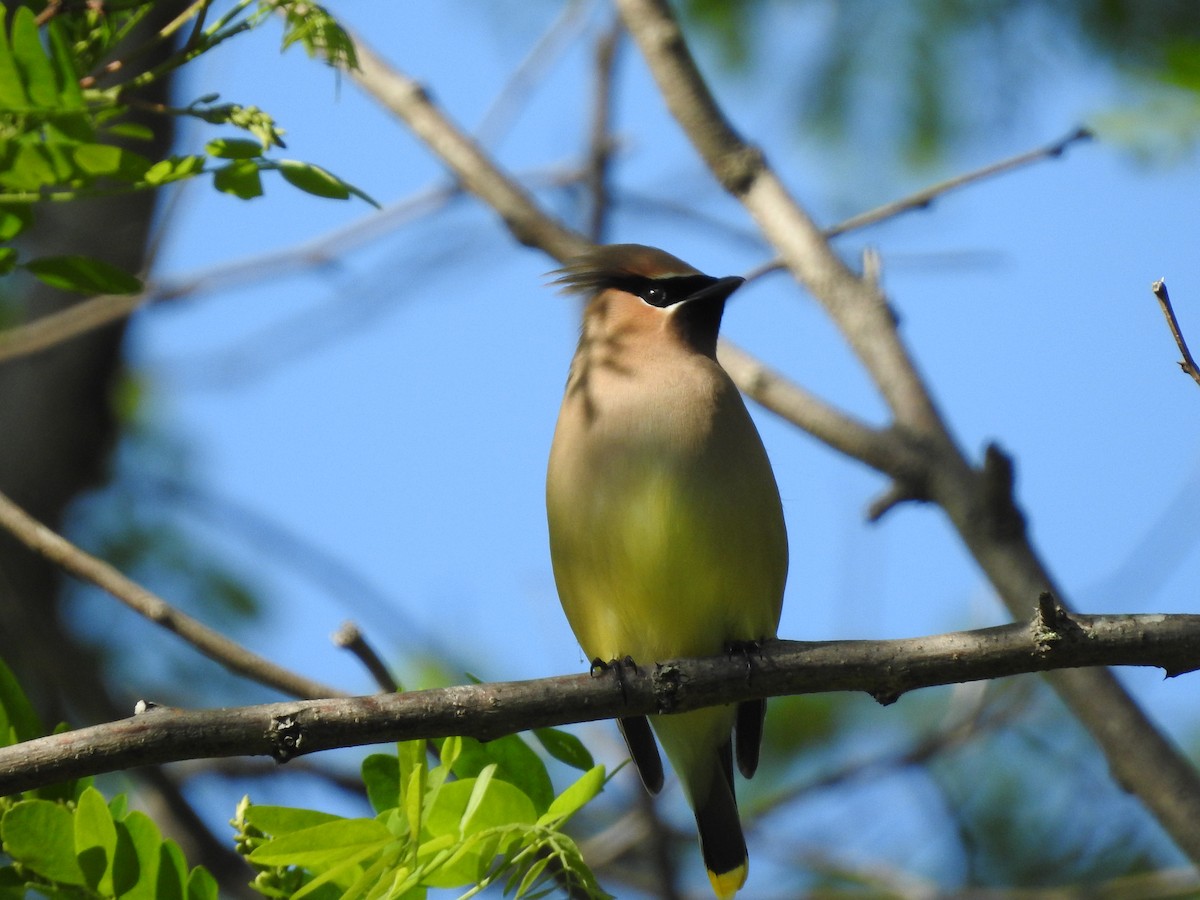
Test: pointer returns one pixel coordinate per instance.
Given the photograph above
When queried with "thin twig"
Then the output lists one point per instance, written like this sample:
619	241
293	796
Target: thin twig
924	198
211	643
474	169
600	138
55	328
885	669
519	85
1187	364
349	637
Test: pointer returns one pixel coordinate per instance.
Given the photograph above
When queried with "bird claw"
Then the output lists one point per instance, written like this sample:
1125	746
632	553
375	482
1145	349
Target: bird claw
617	667
745	649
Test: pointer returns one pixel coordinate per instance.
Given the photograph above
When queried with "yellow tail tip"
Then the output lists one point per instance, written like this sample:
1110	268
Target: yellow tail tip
726	884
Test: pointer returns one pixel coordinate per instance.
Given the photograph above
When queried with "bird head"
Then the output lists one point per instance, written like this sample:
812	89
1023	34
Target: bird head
640	287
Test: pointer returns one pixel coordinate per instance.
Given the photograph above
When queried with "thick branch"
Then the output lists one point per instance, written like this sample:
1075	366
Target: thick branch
884	669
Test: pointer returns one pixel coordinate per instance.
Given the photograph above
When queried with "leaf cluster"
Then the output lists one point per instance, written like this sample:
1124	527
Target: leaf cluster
484	815
72	109
66	840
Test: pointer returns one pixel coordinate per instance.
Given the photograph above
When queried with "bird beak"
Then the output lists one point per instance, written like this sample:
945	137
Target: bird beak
718	291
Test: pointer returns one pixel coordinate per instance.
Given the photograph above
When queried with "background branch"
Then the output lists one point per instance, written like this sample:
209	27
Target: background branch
228	653
884	669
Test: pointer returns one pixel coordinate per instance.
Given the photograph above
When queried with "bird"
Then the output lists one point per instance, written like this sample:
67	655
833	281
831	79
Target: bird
666	529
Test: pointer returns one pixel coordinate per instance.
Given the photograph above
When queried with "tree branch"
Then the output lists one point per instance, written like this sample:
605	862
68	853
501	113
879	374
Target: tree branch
474	169
1187	364
884	669
230	654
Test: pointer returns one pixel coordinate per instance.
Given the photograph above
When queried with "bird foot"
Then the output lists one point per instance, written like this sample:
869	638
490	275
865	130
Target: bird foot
617	667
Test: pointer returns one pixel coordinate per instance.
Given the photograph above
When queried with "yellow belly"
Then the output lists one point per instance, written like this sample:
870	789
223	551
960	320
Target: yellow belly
659	564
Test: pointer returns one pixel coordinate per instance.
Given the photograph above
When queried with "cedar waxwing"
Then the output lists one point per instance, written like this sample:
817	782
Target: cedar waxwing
666	530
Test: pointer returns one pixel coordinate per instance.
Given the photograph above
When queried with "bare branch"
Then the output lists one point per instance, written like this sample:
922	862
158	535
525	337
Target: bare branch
884	669
464	157
1187	364
211	643
924	198
95	312
349	637
571	18
888	450
600	138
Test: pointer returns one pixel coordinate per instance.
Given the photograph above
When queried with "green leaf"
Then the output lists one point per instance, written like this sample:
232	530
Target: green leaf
499	803
280	820
8	262
174	168
146	840
171	883
239	178
14	219
311	25
516	763
69	94
134	131
32	61
313	180
381	777
84	275
233	148
201	885
323	844
118	807
98	159
31	167
39	834
535	872
476	799
12	86
574	798
18	721
95	841
565	747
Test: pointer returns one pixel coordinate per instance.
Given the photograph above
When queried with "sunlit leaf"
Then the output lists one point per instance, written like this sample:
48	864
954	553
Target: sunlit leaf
314	180
69	94
14	219
240	178
98	159
39	834
323	844
132	130
575	797
233	148
32	61
95	841
12	87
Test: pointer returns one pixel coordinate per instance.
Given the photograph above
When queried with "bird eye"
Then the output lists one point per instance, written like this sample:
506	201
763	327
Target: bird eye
655	296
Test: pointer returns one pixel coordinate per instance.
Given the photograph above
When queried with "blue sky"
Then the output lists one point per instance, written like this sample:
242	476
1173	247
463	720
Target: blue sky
395	408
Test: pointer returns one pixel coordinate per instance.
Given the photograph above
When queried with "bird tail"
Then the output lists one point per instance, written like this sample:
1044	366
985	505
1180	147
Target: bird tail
722	843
